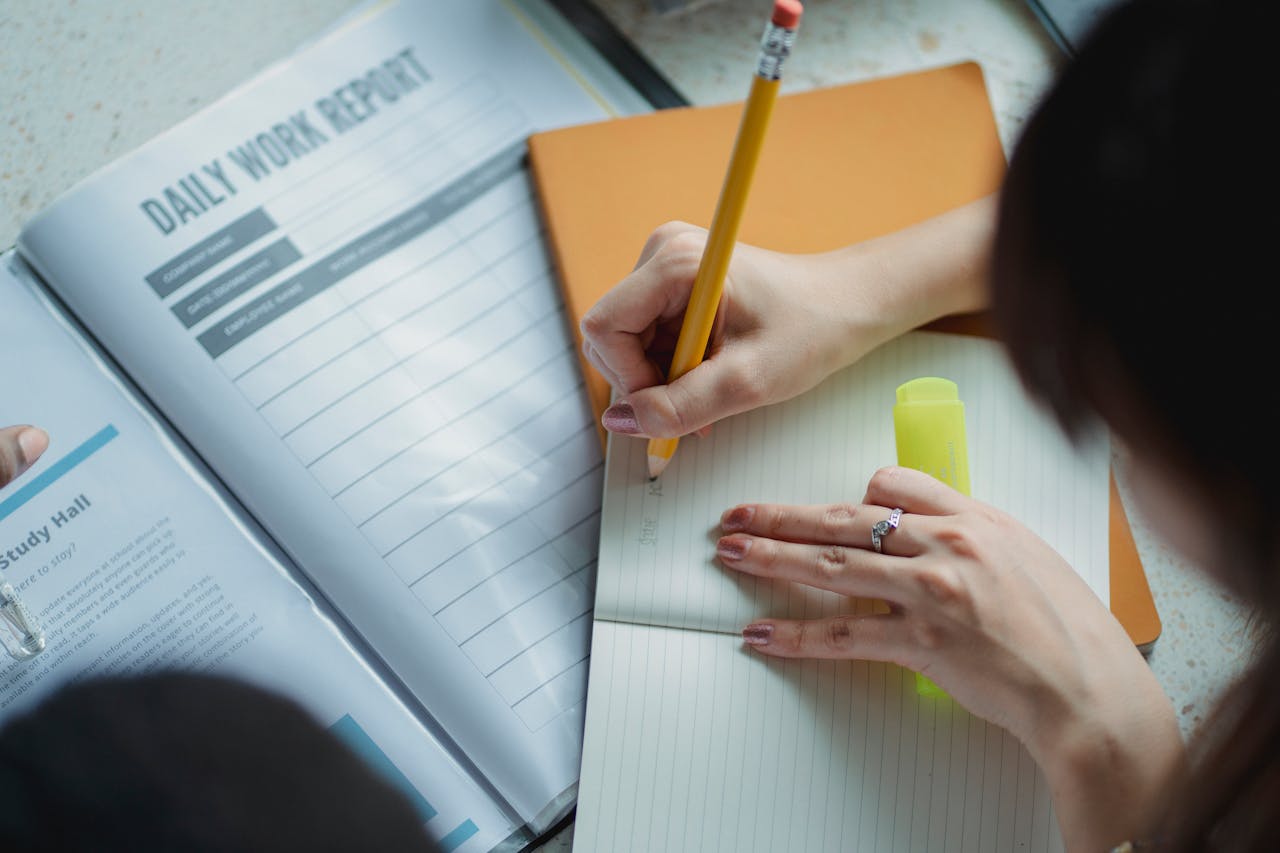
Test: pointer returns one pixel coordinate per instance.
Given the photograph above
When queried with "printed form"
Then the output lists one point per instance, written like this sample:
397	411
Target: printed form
334	283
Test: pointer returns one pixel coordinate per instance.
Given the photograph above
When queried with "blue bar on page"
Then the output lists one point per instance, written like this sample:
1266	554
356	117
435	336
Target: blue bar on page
354	736
50	475
464	830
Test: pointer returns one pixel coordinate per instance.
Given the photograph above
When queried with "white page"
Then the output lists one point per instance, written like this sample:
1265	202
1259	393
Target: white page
397	400
696	743
138	567
658	562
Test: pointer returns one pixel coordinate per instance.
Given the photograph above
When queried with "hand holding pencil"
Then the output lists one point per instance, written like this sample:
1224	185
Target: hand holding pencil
778	333
705	298
782	323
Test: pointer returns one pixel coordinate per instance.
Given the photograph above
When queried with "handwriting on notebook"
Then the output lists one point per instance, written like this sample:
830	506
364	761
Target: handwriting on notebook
648	531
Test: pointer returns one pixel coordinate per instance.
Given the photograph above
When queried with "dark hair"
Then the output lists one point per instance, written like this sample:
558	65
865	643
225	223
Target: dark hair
1137	226
190	763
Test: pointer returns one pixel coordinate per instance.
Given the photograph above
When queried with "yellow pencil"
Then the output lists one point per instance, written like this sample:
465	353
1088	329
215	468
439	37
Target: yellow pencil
708	284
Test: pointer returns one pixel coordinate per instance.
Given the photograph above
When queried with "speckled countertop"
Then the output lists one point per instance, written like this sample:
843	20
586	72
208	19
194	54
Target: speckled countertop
83	83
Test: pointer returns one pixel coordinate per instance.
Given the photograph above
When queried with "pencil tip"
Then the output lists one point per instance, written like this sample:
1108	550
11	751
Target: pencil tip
657	464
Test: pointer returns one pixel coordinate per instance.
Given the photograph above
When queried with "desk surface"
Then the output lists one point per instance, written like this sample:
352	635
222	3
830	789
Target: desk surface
86	83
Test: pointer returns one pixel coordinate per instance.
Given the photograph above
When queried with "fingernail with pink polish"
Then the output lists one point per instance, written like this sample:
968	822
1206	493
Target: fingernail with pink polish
737	518
620	417
733	549
757	635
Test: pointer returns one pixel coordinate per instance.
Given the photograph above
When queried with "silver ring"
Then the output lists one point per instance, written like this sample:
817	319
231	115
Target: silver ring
881	529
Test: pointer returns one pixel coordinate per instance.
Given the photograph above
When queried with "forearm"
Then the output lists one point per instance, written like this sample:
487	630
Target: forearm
906	279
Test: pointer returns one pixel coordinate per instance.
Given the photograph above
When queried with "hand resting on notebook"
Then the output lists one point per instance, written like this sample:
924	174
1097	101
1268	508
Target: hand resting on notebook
20	447
985	608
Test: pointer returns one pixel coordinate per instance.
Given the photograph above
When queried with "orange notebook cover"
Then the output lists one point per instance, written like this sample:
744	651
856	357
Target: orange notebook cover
840	165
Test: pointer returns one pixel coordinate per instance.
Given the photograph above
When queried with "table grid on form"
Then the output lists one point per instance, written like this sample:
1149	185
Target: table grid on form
420	367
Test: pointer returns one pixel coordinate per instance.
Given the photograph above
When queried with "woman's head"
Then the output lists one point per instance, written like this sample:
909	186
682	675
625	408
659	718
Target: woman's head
1132	280
1133	267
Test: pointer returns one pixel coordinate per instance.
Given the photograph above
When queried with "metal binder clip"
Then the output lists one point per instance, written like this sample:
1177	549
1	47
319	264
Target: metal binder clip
22	637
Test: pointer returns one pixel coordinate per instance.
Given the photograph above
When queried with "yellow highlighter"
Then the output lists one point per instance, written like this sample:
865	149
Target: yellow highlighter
928	426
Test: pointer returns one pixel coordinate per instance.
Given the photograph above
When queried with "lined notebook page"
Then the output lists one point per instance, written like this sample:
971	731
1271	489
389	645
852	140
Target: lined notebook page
657	540
695	743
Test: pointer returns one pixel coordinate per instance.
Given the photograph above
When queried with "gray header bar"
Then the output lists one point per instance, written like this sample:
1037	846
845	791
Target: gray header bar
362	251
213	249
235	281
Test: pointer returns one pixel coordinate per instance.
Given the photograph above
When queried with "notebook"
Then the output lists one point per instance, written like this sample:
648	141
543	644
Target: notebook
693	742
840	165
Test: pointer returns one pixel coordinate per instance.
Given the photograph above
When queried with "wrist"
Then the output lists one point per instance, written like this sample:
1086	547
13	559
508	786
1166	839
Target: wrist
881	297
877	305
902	281
1108	764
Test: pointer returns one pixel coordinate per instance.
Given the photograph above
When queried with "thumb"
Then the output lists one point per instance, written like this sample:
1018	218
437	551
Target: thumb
20	447
713	390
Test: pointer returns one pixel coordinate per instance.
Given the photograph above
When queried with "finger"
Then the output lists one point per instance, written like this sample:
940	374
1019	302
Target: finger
664	234
913	491
593	358
877	637
20	447
828	524
715	389
619	325
839	568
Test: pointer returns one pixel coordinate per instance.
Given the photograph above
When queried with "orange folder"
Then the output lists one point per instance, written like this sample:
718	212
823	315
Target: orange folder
840	165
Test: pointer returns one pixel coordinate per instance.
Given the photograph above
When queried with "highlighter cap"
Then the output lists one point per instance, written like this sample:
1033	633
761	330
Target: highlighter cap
929	389
928	425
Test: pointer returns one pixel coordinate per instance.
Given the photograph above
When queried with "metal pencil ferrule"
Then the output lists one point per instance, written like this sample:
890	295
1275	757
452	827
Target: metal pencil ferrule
19	633
775	47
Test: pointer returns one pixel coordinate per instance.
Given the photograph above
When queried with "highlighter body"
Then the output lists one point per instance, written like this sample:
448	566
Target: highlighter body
928	426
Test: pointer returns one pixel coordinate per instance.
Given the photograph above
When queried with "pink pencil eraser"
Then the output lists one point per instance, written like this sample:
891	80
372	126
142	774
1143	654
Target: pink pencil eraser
786	13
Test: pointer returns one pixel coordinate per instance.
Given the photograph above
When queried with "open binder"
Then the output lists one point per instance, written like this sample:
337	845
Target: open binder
280	351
